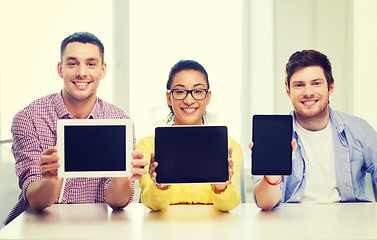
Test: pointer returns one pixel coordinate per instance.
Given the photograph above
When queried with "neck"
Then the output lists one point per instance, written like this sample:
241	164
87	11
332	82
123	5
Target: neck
80	109
314	123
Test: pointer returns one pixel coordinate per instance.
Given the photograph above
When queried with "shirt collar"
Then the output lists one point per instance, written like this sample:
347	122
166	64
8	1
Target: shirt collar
334	120
63	113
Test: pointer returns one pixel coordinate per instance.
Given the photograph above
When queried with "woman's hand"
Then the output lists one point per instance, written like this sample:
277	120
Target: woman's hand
218	188
152	173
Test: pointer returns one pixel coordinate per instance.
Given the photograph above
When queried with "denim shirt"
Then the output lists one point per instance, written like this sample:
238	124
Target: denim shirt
355	154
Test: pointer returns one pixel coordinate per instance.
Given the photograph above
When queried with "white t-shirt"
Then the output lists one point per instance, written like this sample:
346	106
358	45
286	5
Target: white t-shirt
318	154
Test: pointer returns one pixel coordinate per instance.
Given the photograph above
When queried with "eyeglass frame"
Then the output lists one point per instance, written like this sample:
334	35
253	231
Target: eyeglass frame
187	92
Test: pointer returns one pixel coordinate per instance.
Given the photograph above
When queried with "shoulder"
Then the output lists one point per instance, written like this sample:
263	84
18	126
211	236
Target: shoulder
147	142
234	144
351	122
149	139
40	112
110	110
38	107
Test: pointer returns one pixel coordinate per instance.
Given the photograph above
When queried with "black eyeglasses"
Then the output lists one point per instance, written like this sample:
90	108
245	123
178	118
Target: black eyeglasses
197	94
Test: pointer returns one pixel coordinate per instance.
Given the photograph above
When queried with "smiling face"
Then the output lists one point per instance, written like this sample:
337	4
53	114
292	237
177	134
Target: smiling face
310	94
188	111
81	69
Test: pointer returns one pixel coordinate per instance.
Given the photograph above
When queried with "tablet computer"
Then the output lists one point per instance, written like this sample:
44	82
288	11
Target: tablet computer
191	154
95	147
272	150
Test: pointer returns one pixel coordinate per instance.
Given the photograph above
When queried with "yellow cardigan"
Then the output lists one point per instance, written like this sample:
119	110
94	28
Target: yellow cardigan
157	199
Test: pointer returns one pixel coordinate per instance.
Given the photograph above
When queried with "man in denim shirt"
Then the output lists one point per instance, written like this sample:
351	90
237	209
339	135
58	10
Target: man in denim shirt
333	150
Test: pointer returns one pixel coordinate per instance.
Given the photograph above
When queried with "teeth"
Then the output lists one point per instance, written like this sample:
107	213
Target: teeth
309	102
190	110
81	83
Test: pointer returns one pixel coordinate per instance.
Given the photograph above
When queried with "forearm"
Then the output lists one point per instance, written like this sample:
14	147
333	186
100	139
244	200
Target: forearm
155	198
266	195
43	193
119	192
228	199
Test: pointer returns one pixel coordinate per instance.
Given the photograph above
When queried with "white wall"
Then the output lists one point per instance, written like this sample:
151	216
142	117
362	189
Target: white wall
326	26
31	33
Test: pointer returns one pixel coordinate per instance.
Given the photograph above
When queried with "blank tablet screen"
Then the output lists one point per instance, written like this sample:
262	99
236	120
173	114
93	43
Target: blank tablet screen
191	154
272	151
95	148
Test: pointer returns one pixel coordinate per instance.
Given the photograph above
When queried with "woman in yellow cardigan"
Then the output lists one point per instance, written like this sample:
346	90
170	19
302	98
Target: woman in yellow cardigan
188	95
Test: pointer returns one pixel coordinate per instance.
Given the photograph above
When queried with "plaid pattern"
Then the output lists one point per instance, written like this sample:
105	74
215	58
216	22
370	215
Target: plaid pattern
34	130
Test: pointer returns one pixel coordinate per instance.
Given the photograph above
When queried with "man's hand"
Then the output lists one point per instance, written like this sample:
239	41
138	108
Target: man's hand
49	163
138	165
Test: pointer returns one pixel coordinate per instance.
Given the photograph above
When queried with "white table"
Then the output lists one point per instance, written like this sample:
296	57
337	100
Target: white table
289	221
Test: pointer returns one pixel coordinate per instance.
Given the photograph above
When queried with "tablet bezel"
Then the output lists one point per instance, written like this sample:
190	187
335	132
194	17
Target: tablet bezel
62	123
190	147
288	124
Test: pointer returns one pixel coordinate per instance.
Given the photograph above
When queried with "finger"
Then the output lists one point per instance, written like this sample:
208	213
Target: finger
294	144
139	163
137	154
251	144
230	163
50	150
49	167
138	171
152	167
152	157
46	159
230	152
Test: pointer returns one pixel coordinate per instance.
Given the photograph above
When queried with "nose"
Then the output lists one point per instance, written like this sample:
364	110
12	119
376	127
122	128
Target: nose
189	100
308	91
81	72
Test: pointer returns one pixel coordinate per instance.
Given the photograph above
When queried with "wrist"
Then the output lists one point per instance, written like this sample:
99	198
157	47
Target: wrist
273	183
218	190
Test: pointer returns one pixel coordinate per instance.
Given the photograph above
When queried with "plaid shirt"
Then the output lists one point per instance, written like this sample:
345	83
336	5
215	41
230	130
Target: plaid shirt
34	130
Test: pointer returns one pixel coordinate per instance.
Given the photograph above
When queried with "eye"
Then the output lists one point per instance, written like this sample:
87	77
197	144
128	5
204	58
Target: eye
180	91
92	64
71	64
198	91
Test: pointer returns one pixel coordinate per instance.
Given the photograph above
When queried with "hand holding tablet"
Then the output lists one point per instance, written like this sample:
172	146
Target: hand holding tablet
95	147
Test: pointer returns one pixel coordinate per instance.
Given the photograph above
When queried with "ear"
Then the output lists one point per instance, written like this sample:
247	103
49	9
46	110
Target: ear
103	70
60	69
208	98
331	88
288	91
168	98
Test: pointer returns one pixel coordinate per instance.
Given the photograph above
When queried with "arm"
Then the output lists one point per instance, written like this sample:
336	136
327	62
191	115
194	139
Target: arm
267	195
121	189
43	193
155	197
227	196
267	191
39	189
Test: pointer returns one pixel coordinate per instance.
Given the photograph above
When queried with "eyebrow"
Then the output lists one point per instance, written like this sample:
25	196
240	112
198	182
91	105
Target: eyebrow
88	59
313	80
196	85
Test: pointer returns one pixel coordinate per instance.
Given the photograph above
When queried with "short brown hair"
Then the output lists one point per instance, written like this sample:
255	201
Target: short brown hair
307	58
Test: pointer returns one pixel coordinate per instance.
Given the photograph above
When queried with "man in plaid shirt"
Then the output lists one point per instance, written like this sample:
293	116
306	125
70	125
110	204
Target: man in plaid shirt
82	67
